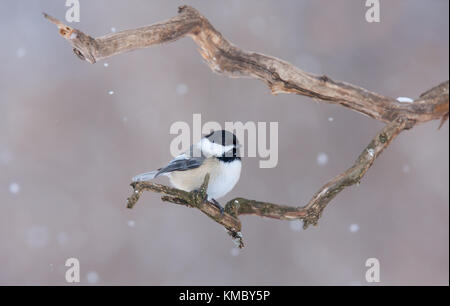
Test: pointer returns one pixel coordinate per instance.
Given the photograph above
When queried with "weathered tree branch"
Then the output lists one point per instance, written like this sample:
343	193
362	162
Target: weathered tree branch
281	77
225	58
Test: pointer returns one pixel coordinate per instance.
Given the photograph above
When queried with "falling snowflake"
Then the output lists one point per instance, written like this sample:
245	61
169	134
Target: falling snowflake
322	159
182	89
354	228
92	277
21	52
14	188
113	29
111	92
105	64
131	223
330	119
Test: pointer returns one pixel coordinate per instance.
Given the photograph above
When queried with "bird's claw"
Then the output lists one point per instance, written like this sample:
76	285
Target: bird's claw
217	204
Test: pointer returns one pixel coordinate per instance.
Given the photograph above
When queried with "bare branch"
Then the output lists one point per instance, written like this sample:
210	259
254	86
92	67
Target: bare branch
225	58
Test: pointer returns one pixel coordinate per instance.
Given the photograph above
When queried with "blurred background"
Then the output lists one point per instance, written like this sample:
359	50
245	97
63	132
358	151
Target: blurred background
72	135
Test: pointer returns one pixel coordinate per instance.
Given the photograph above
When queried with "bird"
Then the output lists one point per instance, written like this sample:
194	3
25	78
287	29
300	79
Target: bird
217	154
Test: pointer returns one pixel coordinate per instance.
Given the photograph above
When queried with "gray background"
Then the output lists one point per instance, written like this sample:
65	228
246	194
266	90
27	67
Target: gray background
68	149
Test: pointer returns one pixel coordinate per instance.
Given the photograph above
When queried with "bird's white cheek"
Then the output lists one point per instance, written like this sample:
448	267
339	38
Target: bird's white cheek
214	149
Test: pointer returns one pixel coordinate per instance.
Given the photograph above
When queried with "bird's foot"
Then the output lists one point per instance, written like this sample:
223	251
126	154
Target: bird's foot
217	204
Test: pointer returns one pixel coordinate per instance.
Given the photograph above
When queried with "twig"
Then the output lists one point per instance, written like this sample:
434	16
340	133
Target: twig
281	77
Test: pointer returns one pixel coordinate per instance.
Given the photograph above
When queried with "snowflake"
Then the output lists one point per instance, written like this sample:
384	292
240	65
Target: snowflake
182	89
14	188
322	159
354	228
92	277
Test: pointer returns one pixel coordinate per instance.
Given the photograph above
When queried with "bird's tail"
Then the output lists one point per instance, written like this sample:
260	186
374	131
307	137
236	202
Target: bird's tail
145	176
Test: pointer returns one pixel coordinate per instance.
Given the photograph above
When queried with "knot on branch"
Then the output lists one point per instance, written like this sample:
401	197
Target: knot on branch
232	207
200	196
312	216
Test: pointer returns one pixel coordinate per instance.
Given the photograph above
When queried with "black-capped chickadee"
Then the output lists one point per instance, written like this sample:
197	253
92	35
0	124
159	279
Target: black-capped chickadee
216	154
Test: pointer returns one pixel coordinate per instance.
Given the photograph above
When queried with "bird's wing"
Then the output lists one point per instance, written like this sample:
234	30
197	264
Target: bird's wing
185	161
182	163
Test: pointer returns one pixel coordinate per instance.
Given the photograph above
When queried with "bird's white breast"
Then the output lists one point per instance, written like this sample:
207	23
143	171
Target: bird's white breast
225	179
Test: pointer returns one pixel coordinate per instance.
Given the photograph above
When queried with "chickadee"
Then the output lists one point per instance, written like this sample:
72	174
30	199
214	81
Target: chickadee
216	154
